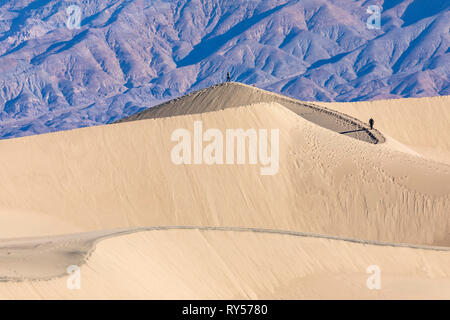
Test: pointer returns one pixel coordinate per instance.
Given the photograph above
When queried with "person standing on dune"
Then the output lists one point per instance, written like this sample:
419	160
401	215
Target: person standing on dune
371	122
228	77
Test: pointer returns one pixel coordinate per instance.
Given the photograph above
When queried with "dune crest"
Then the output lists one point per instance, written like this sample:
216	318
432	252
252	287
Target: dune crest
422	124
233	94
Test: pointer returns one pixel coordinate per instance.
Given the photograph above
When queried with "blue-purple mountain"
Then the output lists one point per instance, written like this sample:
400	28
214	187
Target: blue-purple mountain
129	55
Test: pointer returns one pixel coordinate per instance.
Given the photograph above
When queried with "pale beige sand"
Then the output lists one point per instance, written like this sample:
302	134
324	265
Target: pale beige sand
43	258
423	124
192	264
46	258
121	175
234	94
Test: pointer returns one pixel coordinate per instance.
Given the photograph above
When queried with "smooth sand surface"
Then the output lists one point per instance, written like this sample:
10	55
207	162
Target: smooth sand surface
423	124
43	258
121	176
194	264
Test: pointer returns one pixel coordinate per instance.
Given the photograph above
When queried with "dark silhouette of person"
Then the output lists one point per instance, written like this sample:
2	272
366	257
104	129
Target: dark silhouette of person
371	122
228	77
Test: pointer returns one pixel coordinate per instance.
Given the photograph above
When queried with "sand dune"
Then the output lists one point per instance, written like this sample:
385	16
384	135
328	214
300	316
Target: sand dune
419	123
43	258
232	95
47	258
122	176
329	182
194	264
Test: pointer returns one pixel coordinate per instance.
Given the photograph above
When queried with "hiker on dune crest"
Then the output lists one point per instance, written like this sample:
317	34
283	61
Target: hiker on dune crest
371	122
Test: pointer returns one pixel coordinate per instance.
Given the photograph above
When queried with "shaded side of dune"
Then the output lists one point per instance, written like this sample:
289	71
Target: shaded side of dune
422	124
233	95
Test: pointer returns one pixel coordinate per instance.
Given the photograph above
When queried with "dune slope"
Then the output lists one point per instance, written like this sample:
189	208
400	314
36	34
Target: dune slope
121	175
195	264
422	124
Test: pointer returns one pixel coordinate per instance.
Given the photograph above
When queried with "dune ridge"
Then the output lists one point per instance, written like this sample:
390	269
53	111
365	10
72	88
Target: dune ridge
234	94
422	124
47	258
208	264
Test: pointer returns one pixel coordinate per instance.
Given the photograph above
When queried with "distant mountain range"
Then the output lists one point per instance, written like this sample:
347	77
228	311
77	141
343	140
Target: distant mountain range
128	55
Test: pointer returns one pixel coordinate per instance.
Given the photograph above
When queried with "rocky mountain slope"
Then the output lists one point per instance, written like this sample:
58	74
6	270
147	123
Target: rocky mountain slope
128	55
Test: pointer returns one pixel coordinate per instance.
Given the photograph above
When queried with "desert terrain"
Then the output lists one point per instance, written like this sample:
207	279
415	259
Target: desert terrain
110	200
